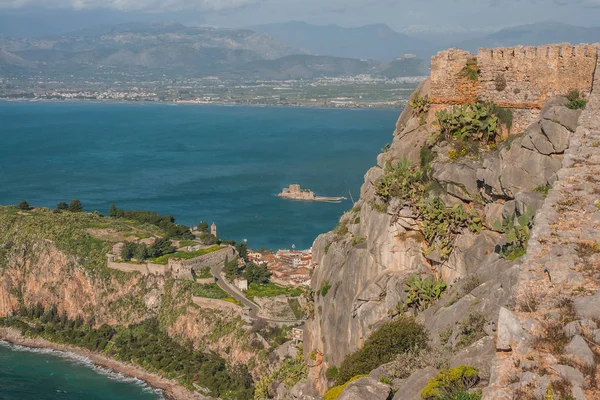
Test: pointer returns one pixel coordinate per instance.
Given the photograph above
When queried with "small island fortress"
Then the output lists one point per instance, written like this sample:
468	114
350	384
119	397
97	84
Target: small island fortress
295	192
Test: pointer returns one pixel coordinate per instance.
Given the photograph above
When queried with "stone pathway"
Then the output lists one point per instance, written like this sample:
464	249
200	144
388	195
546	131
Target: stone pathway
555	334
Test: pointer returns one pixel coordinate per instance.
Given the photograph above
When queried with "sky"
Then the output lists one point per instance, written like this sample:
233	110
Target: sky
479	15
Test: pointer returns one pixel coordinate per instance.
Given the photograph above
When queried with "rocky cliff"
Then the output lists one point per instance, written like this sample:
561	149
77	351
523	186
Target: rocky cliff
484	201
59	259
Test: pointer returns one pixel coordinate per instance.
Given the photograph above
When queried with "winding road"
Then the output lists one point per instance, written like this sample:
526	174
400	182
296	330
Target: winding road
234	292
237	294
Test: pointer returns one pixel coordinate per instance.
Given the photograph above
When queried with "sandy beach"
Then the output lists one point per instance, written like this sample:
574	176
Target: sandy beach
171	389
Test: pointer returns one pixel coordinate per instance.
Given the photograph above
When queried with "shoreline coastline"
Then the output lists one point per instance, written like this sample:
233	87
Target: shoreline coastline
184	103
170	389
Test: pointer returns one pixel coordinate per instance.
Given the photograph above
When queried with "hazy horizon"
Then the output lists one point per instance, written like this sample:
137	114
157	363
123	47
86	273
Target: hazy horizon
38	17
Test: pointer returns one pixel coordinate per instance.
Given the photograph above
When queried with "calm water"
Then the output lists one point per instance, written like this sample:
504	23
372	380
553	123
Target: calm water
197	163
45	375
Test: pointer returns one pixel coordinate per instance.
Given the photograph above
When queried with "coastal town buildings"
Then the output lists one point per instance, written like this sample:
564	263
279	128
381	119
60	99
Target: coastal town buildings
289	267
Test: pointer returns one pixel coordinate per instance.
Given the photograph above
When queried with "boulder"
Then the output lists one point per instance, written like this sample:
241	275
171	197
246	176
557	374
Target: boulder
579	350
479	355
411	389
511	334
299	392
578	393
459	177
571	374
578	327
535	140
562	115
588	307
528	200
470	252
365	388
557	134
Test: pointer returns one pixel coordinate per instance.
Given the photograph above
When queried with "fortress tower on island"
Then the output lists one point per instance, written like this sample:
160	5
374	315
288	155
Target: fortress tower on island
295	192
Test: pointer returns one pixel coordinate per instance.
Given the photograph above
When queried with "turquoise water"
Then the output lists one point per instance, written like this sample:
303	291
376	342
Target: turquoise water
197	163
46	375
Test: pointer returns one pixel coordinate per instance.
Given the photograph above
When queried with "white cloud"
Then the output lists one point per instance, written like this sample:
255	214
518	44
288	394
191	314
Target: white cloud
130	5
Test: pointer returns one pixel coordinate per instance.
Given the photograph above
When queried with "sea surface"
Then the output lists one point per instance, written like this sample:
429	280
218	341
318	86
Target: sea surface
38	374
222	164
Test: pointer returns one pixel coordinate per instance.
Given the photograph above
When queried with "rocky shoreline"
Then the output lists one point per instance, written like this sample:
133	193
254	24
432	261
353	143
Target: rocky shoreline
171	389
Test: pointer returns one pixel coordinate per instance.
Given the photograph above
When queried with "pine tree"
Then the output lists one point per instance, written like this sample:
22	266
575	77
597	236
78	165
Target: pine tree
75	206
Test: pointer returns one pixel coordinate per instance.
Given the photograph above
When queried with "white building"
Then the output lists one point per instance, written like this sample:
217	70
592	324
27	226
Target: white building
241	283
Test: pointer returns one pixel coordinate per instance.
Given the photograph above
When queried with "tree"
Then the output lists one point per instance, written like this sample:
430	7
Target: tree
112	211
232	269
258	274
75	206
23	205
127	251
203	227
160	247
141	252
62	206
242	250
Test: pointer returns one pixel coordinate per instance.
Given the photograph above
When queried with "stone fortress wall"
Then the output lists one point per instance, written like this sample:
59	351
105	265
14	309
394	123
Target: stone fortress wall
179	269
521	78
514	77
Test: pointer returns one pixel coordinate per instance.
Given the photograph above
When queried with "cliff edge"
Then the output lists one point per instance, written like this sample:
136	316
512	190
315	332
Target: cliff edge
442	226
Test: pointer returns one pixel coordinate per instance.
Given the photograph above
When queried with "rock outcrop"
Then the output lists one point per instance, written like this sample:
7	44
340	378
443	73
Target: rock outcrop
365	263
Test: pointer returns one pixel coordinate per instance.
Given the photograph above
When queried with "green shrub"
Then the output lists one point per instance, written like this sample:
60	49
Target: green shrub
405	181
23	205
452	384
471	122
472	329
420	105
422	293
543	189
325	286
334	392
576	100
440	225
332	372
393	338
518	235
471	70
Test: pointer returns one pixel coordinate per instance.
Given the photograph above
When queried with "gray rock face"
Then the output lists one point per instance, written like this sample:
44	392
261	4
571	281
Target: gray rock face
518	168
460	178
562	115
411	389
580	351
571	374
558	136
298	392
588	307
578	327
365	388
511	334
528	200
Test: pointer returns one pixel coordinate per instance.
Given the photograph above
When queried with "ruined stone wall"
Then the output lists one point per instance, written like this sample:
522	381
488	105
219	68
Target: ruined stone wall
449	83
522	77
182	269
527	76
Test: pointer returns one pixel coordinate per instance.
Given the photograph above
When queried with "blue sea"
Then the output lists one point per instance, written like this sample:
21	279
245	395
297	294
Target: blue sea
32	374
198	163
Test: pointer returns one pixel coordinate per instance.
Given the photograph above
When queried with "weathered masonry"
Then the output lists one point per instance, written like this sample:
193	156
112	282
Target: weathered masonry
515	77
519	78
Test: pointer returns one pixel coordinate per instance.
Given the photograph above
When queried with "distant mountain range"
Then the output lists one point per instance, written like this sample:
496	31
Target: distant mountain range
175	50
293	50
534	35
376	42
